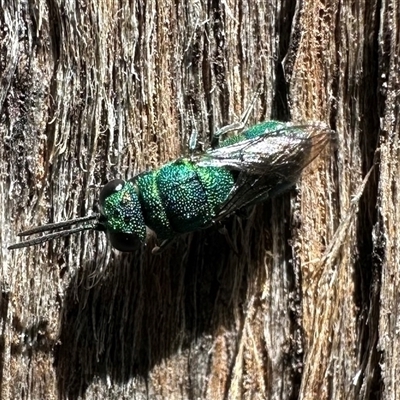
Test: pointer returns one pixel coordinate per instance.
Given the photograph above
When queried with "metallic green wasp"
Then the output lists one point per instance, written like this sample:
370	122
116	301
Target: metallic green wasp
198	191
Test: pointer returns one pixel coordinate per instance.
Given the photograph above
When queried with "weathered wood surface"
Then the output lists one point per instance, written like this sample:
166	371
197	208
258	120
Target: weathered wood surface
309	305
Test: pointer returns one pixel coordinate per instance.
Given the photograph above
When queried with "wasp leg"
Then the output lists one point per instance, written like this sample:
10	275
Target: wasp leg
192	142
159	249
193	138
222	230
236	126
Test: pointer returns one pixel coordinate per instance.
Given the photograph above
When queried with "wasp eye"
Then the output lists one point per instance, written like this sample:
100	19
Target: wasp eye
123	241
110	188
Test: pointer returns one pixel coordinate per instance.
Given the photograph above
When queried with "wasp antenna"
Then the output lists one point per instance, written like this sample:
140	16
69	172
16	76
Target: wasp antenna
51	236
57	225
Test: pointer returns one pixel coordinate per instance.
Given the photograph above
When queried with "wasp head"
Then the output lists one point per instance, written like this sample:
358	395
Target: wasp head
121	215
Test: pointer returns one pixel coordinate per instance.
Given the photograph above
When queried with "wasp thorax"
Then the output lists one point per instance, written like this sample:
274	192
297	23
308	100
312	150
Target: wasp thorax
122	213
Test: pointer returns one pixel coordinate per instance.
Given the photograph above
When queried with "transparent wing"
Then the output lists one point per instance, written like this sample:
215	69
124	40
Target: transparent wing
267	164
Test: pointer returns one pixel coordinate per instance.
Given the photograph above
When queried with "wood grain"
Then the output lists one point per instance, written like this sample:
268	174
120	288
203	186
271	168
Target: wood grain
299	300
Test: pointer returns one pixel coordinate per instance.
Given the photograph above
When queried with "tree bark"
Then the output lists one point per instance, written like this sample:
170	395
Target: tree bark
299	300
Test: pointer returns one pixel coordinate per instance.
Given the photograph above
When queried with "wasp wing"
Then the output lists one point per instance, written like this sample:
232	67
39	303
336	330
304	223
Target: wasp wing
267	164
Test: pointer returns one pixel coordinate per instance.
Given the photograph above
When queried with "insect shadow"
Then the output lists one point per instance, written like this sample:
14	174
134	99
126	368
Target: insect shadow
147	308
